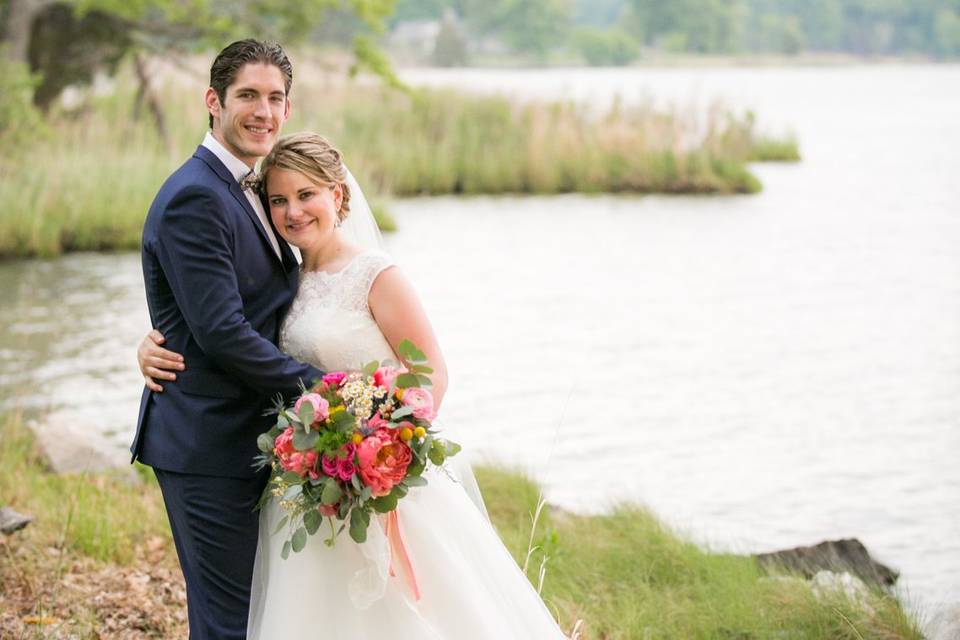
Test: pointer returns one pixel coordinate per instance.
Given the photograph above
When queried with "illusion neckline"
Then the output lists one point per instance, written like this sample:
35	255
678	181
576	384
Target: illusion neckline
330	274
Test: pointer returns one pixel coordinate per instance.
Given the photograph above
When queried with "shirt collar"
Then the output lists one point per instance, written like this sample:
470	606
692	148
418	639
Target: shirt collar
234	165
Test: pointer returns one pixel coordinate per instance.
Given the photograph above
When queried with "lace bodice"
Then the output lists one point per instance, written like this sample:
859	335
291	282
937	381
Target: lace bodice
329	324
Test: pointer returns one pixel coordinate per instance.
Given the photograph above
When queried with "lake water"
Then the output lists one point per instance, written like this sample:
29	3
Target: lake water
763	371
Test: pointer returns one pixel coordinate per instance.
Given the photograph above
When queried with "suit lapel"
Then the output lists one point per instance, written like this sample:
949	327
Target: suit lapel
237	192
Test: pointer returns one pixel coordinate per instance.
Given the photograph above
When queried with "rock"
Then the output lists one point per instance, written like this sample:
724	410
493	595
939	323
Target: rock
825	583
11	521
71	445
836	556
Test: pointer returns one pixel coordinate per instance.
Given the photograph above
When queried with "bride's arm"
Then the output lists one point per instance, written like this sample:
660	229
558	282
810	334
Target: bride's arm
399	314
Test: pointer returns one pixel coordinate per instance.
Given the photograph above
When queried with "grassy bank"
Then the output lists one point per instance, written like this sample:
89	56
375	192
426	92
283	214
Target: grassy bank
98	559
85	181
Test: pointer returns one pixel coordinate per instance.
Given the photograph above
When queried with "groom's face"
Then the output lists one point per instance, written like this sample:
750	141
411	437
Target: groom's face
254	109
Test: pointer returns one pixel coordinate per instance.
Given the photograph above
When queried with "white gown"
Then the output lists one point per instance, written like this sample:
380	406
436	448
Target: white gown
470	586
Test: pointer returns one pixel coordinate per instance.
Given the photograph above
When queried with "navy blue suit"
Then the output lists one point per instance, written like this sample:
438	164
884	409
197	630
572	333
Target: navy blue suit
218	292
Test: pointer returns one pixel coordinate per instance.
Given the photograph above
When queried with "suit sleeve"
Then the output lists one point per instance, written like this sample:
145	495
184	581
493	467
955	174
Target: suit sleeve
194	248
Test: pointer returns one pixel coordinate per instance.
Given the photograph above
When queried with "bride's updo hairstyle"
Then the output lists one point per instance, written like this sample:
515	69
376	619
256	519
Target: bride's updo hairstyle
313	156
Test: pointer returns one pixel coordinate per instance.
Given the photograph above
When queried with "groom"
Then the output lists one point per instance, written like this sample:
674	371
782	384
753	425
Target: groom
218	283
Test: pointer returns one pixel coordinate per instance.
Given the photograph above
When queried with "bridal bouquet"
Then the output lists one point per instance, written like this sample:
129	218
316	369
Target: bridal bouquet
353	444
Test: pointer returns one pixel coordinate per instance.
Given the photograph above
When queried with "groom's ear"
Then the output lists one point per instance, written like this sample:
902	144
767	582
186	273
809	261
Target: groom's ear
212	100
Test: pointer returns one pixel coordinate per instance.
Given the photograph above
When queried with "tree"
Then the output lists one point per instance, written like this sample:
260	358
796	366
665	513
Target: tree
69	40
450	49
613	47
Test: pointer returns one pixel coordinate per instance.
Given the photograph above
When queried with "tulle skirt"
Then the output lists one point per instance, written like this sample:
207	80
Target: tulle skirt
469	585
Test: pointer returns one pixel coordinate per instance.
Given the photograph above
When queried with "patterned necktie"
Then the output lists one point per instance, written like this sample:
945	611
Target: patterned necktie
250	181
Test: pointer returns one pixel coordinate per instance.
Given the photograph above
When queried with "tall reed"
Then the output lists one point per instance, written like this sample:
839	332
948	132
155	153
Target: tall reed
86	181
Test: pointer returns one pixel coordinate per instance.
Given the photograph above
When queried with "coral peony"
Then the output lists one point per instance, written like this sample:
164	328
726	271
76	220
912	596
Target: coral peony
302	463
384	459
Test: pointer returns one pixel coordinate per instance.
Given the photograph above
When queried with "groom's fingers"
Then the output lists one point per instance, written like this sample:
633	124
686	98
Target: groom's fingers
153	386
159	369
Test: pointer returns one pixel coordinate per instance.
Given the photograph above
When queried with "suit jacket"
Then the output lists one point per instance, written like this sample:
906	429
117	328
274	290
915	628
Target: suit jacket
218	292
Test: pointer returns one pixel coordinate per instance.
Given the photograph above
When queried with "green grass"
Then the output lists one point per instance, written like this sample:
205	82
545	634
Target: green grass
102	516
630	577
85	180
624	574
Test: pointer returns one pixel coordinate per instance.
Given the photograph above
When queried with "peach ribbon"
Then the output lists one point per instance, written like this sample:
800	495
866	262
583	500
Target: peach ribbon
399	552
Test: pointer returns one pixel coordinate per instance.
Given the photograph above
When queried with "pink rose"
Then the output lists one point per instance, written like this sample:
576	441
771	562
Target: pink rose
422	402
334	378
384	459
329	510
346	469
384	376
341	466
329	466
302	463
321	408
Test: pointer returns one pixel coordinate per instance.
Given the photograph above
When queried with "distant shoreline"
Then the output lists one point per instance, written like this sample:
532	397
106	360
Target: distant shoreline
670	61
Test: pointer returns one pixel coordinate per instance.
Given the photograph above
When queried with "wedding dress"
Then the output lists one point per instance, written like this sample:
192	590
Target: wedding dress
470	588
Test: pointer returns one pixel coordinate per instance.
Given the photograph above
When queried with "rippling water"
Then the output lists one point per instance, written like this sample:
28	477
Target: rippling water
764	371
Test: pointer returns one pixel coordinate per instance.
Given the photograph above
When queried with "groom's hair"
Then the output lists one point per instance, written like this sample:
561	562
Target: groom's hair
228	63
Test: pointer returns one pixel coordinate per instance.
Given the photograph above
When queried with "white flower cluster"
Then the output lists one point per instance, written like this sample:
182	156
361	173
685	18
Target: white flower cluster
359	392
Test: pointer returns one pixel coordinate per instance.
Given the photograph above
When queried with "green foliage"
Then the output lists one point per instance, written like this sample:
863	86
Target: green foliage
20	121
613	47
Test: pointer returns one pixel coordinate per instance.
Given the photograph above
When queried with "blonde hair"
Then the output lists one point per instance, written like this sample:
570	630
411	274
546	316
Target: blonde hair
312	155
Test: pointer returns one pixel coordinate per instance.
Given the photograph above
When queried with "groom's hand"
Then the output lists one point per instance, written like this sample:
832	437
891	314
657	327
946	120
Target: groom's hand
157	363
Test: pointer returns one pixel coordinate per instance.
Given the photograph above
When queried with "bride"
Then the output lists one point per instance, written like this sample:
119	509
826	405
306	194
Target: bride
456	580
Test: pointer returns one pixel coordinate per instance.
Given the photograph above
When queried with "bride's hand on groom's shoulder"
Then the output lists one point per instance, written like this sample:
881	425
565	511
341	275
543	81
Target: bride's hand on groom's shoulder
157	363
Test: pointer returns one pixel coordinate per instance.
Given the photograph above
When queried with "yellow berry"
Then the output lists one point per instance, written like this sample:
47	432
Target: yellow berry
419	432
357	438
406	433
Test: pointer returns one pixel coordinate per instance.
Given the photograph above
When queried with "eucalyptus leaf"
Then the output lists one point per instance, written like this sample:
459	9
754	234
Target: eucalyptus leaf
355	481
265	443
370	368
285	552
437	456
407	380
384	504
331	492
293	492
312	521
282	421
415	481
402	412
343	421
424	380
305	441
451	447
415	469
365	494
358	526
299	540
281	524
307	413
421	368
409	352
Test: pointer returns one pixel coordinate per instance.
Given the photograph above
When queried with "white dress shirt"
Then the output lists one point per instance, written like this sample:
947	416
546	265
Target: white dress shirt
239	171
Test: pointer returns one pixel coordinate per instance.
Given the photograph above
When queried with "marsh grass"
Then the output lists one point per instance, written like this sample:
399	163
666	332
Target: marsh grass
85	181
627	576
620	576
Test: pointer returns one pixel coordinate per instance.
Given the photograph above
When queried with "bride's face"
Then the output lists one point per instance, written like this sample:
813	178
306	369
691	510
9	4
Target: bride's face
303	212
